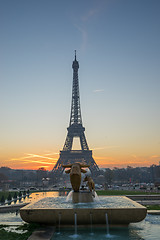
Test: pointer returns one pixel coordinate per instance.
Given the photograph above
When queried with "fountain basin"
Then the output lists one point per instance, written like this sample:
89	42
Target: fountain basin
81	197
120	210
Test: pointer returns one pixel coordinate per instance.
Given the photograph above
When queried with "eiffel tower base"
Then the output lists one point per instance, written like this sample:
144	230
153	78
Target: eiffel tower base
69	157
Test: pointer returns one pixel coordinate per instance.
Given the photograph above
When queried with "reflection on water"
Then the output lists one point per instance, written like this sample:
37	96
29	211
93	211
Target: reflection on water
37	196
148	229
62	193
13	218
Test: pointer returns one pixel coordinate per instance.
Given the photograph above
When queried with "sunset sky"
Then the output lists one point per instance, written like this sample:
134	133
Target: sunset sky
118	49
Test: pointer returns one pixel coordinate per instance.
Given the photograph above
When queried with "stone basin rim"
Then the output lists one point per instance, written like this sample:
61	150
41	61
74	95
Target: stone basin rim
117	214
68	209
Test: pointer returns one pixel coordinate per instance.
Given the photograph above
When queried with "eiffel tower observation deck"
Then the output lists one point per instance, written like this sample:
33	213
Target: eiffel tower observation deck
75	130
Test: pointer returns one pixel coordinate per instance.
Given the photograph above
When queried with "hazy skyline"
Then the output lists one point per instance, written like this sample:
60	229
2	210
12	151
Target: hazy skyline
118	50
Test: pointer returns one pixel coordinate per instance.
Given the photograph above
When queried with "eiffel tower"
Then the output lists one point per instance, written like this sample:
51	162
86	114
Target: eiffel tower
75	129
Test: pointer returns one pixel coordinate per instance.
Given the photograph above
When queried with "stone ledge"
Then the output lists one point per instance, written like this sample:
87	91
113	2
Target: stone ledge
11	208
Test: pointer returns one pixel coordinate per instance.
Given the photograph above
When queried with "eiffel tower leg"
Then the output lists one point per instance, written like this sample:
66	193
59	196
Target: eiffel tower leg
83	142
68	143
93	167
58	167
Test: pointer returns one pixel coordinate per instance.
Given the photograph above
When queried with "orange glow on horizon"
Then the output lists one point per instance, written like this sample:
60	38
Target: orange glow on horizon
105	157
35	161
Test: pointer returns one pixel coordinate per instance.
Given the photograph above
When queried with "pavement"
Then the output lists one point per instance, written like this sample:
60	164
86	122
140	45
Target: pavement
144	197
44	233
153	212
148	202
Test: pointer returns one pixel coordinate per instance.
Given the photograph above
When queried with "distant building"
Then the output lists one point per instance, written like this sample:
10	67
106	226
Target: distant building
156	174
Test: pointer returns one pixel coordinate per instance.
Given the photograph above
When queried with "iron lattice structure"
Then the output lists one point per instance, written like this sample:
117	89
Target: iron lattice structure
75	129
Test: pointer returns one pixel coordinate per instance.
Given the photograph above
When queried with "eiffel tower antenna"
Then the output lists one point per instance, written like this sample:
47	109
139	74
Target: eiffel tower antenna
75	55
75	129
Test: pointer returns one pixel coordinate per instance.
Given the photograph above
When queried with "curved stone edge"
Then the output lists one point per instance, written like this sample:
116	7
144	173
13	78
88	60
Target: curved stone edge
66	216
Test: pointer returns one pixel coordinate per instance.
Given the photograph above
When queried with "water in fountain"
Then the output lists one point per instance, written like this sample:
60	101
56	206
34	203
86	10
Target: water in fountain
69	196
107	224
75	216
59	223
75	235
108	235
81	199
91	224
96	199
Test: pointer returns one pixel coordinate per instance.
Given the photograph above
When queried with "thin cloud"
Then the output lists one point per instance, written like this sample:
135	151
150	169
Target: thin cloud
30	160
105	147
84	36
37	156
36	161
155	156
48	163
89	14
103	158
52	153
98	90
30	156
94	10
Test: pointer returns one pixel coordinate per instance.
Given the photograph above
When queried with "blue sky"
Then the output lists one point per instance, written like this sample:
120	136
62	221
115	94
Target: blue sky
117	43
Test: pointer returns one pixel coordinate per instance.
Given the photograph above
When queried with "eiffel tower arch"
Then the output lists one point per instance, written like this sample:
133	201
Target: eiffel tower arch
75	129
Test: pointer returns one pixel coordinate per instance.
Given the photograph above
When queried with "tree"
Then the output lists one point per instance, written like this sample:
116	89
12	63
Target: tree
41	173
2	200
108	175
3	177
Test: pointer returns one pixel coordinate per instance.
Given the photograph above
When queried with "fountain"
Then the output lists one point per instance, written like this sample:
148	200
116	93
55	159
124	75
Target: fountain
107	224
59	223
91	233
89	210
